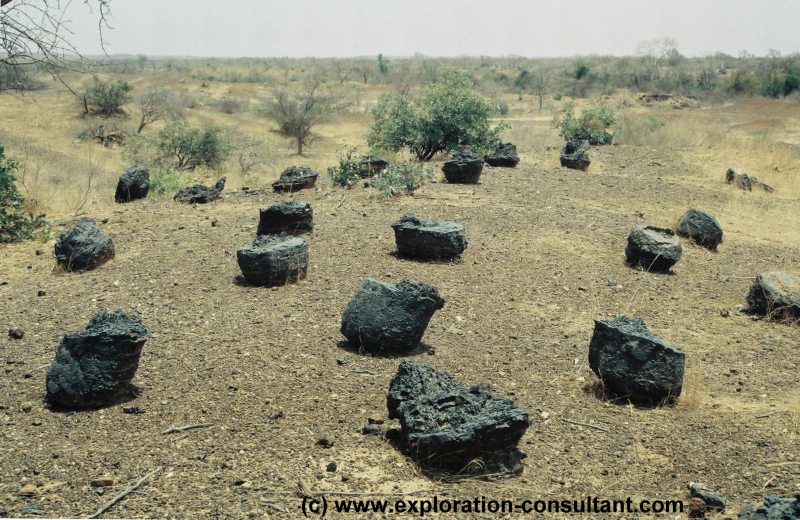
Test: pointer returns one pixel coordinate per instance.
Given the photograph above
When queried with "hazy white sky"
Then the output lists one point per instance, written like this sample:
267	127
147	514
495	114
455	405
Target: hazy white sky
535	28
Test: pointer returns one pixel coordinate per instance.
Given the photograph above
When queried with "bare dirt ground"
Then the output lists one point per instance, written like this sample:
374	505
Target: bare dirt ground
260	365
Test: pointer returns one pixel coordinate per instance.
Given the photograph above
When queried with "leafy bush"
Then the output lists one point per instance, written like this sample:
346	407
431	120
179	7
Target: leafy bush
106	97
15	224
401	179
180	147
18	77
592	125
346	172
165	181
447	115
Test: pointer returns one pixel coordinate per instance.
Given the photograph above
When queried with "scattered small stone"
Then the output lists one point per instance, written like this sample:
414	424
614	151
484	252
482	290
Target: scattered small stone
574	155
634	364
431	351
341	361
701	227
28	490
711	498
214	223
652	248
3	282
41	293
200	194
425	239
84	247
102	482
16	333
133	184
95	366
272	260
30	510
275	415
325	442
26	407
697	508
371	429
384	316
331	467
370	420
38	252
134	410
775	295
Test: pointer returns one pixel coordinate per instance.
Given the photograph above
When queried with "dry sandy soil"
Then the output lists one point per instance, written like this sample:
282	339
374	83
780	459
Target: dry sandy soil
260	365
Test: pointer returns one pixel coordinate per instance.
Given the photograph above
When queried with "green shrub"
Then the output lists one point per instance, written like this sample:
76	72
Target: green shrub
593	124
166	182
653	123
447	115
15	224
177	146
401	179
107	97
346	172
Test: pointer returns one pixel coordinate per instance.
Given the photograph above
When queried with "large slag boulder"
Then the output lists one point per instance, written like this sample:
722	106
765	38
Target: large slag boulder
428	239
388	317
464	168
700	227
94	367
775	295
633	364
505	156
295	178
445	421
653	248
133	184
200	194
575	155
292	217
370	165
272	260
773	508
83	247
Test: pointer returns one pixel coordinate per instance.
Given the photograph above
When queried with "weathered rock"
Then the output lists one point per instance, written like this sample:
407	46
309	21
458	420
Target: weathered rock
424	238
746	182
775	295
134	184
505	156
199	194
383	316
634	364
711	498
16	333
295	178
273	260
773	508
653	248
442	418
84	247
95	366
464	168
701	227
292	216
370	166
575	155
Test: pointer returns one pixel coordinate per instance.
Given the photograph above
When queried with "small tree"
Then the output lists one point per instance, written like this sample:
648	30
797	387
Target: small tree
522	82
383	64
446	116
539	85
106	97
15	223
153	106
297	114
179	147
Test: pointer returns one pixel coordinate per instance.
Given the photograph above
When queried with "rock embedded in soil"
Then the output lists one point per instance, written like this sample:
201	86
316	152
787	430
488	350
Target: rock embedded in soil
634	364
746	182
295	178
272	260
773	508
711	498
388	317
134	184
200	194
775	295
369	166
701	227
428	239
94	367
505	156
83	247
653	248
464	168
574	155
292	217
442	418
16	333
